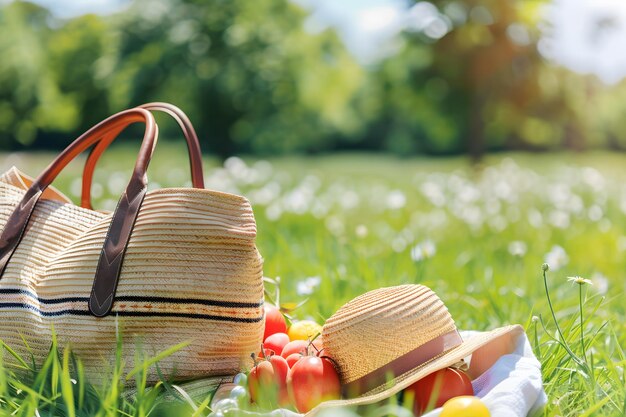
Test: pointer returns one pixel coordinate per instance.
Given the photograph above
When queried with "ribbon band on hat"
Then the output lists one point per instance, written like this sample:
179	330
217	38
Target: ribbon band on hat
396	320
417	357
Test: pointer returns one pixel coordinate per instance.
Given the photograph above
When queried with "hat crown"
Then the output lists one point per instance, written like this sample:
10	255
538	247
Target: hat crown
382	325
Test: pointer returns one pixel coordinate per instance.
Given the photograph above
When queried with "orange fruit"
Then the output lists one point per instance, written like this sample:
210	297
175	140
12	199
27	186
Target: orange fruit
465	406
304	330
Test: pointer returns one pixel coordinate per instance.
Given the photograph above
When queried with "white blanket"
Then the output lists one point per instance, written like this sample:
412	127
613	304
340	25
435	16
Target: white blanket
512	387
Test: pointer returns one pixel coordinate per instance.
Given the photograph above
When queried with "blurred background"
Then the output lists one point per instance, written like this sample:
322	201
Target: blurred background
354	127
270	77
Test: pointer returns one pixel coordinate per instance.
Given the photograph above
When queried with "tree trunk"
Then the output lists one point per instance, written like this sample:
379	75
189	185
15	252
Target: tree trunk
475	136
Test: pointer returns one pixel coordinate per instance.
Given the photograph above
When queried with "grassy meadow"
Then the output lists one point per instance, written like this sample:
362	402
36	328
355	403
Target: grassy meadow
332	227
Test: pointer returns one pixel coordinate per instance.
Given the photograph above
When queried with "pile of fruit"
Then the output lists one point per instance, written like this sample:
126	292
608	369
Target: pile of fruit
292	371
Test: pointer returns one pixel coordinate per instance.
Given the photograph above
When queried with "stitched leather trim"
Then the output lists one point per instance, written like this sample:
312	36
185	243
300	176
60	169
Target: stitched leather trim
16	225
112	254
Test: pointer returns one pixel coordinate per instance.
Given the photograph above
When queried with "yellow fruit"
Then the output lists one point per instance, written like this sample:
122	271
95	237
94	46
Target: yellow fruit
304	330
464	406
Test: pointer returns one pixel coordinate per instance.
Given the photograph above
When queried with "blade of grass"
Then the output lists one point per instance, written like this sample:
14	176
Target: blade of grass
158	357
66	384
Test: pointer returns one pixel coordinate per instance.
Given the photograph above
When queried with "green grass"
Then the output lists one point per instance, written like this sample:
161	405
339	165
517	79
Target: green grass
353	220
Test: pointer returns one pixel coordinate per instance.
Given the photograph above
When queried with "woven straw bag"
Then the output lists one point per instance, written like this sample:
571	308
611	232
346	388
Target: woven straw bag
167	266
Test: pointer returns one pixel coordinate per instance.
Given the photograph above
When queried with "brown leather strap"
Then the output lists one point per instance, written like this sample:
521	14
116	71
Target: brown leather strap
111	256
15	226
403	364
115	243
193	146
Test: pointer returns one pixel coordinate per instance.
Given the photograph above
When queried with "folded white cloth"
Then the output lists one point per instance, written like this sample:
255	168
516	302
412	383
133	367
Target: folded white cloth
512	386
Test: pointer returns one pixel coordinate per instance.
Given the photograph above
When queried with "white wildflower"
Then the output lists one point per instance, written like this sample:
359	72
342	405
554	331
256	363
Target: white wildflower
423	250
433	192
559	219
274	211
117	182
601	282
396	200
308	285
579	280
556	258
335	225
398	244
595	213
518	248
76	187
535	218
349	200
235	165
621	243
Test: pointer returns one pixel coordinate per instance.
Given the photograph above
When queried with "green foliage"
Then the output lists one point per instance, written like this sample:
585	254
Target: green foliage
26	85
46	82
246	72
470	90
254	80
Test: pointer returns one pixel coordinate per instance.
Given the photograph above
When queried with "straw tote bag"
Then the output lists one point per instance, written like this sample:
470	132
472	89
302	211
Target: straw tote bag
167	266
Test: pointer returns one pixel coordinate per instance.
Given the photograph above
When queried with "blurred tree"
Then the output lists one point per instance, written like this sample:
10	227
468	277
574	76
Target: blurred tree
492	63
46	83
406	107
248	74
467	79
27	87
74	50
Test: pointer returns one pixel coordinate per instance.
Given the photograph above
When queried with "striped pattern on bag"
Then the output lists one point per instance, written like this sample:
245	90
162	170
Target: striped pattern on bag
191	273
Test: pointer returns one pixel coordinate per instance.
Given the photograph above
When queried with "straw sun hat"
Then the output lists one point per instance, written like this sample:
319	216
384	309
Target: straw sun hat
387	339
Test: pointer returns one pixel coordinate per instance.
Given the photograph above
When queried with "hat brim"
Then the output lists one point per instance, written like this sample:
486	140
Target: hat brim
405	380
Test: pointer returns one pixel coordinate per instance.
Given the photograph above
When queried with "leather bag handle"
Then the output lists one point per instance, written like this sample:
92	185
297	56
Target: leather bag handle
123	218
193	147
